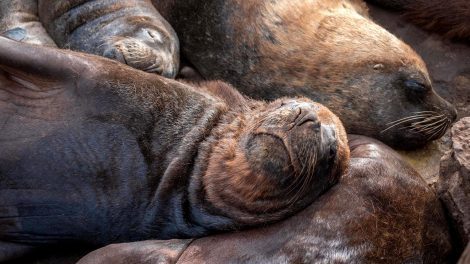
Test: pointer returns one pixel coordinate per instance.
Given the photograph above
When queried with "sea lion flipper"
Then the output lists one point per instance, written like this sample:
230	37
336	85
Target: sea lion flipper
149	251
35	62
13	250
17	34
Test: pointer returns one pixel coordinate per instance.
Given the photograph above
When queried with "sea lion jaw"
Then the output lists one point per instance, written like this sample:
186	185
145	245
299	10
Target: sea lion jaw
286	155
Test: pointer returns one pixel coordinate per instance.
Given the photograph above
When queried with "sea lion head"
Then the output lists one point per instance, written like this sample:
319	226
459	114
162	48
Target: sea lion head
276	159
145	44
383	84
373	81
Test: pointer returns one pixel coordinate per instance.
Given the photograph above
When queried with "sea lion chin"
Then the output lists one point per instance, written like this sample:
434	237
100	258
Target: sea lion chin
329	51
98	156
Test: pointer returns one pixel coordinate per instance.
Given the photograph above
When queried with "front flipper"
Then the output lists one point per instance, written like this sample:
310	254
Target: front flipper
13	250
150	251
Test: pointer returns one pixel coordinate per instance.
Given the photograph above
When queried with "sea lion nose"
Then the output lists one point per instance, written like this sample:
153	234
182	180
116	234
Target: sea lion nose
453	113
307	116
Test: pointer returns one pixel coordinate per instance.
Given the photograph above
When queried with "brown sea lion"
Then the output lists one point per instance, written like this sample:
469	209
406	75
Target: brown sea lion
95	152
130	31
19	21
327	50
449	18
381	211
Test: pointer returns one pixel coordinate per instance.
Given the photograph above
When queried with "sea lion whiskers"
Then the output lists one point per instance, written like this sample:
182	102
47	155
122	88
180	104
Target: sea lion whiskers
404	120
423	128
441	131
304	182
294	185
416	114
428	119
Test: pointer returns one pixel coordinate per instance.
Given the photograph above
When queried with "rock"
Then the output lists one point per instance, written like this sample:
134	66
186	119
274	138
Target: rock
454	179
426	160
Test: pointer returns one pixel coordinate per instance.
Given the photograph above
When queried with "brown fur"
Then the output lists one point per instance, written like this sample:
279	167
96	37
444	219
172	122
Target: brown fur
329	51
380	212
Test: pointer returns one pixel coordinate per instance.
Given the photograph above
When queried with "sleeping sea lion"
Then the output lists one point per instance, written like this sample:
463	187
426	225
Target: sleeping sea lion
130	31
95	152
381	211
327	50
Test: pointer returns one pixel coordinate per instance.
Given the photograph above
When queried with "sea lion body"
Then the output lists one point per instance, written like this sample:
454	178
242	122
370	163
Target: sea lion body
19	20
381	211
329	51
132	32
93	151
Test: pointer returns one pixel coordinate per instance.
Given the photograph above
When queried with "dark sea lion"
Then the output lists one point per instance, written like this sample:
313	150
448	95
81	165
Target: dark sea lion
19	21
449	18
381	211
131	31
327	50
93	151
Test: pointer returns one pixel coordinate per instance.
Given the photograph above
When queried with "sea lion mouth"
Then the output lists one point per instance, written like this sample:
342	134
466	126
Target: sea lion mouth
427	125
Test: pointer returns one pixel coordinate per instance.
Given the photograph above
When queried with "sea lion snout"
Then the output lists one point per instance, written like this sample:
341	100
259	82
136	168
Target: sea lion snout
305	132
139	54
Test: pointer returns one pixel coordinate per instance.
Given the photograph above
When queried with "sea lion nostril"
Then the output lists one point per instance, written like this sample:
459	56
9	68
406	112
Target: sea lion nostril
306	116
332	153
453	115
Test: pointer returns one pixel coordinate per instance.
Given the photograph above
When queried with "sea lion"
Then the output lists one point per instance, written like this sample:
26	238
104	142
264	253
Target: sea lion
381	211
95	152
327	50
19	21
450	19
132	32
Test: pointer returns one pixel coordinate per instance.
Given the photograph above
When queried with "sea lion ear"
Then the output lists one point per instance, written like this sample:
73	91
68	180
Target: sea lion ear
31	65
